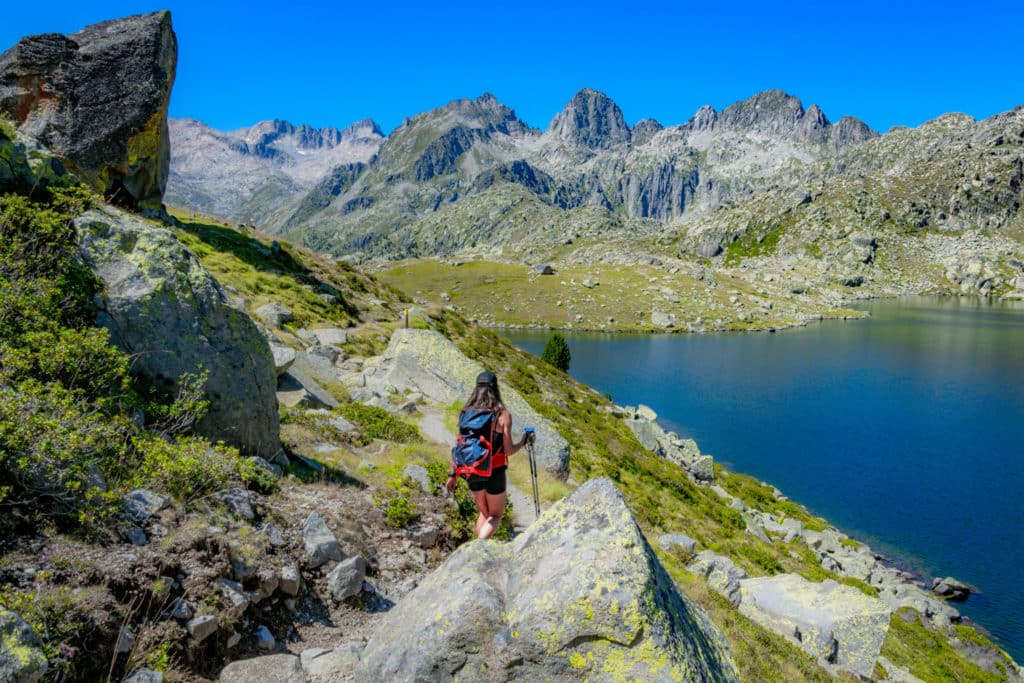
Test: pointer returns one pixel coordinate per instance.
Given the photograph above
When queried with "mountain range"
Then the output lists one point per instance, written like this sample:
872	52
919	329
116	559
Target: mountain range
765	182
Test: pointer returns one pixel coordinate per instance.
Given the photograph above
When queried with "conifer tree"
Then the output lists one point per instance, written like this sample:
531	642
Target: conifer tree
556	352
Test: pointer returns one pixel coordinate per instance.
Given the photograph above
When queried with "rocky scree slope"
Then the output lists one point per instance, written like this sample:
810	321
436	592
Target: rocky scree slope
243	175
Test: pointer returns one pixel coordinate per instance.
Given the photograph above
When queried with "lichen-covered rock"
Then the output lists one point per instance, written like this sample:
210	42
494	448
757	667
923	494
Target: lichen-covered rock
838	624
427	362
346	579
164	308
21	652
98	99
721	573
580	595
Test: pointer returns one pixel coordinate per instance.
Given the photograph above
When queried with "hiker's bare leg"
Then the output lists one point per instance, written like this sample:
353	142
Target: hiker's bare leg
480	498
495	509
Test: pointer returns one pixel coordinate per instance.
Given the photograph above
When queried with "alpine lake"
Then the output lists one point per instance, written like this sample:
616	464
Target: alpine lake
905	430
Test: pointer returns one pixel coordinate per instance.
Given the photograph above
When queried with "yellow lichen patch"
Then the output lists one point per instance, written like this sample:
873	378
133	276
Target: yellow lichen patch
577	661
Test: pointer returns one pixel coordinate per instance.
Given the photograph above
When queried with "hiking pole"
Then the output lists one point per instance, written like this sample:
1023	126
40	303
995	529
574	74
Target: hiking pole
533	468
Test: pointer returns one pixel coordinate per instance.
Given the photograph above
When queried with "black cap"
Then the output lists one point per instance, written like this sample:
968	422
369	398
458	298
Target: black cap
487	379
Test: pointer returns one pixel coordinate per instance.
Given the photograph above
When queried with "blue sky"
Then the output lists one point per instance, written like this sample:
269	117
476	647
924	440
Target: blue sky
332	63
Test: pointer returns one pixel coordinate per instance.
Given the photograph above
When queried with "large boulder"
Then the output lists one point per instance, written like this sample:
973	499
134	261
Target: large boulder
164	308
21	652
427	362
580	595
98	99
838	624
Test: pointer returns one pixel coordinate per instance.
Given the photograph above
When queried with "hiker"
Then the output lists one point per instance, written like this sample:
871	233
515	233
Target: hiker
489	491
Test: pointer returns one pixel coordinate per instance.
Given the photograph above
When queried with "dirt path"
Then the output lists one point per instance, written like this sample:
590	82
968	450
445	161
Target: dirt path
432	426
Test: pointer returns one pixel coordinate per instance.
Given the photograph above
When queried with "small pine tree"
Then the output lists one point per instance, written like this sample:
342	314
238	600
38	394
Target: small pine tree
556	352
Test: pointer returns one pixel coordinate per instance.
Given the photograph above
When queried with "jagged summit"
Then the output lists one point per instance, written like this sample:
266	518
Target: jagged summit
591	119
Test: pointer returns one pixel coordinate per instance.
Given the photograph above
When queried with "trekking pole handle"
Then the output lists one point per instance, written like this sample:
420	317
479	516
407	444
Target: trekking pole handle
527	433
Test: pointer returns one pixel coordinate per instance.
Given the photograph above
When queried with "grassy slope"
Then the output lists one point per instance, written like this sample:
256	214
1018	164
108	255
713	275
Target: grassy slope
659	493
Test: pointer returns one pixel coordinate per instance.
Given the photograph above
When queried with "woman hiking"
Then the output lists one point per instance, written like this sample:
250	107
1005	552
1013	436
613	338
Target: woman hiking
489	491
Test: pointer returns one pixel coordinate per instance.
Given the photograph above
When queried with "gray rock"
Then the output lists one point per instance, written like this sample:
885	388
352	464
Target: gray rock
721	573
291	580
182	609
297	389
710	248
542	269
646	413
837	624
141	504
703	468
329	353
346	579
331	336
662	319
284	357
647	433
235	596
670	541
951	589
267	582
328	666
418	474
201	628
580	581
164	308
424	536
320	544
145	676
57	88
135	536
125	641
21	651
590	120
274	536
269	669
274	314
266	466
238	501
265	639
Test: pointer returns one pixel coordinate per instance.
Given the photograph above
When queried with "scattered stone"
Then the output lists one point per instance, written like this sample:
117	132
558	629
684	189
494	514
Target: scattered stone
542	269
328	666
266	466
125	641
238	501
274	314
662	319
721	573
837	624
670	541
182	609
135	536
265	639
709	248
268	581
236	596
145	676
424	536
589	284
274	536
331	336
201	628
291	580
233	640
329	353
418	474
951	589
320	544
346	579
646	413
281	668
284	357
241	568
141	504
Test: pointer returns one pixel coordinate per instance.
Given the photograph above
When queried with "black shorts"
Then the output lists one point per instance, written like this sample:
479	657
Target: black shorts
493	484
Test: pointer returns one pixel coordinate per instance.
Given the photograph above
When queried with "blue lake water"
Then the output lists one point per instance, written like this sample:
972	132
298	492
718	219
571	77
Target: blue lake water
905	430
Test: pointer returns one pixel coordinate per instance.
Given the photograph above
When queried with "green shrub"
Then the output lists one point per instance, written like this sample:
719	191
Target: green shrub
186	467
378	423
556	352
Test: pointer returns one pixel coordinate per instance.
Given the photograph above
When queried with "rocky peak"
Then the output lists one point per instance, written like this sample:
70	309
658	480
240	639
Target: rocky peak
772	112
591	119
644	130
58	90
704	119
849	131
364	129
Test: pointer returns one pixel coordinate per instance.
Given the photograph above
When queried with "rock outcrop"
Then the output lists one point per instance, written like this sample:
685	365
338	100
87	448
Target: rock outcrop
591	120
98	99
838	624
579	595
427	362
164	308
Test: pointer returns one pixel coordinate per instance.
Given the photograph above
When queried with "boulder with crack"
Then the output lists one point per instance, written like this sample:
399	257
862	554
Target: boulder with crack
579	595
